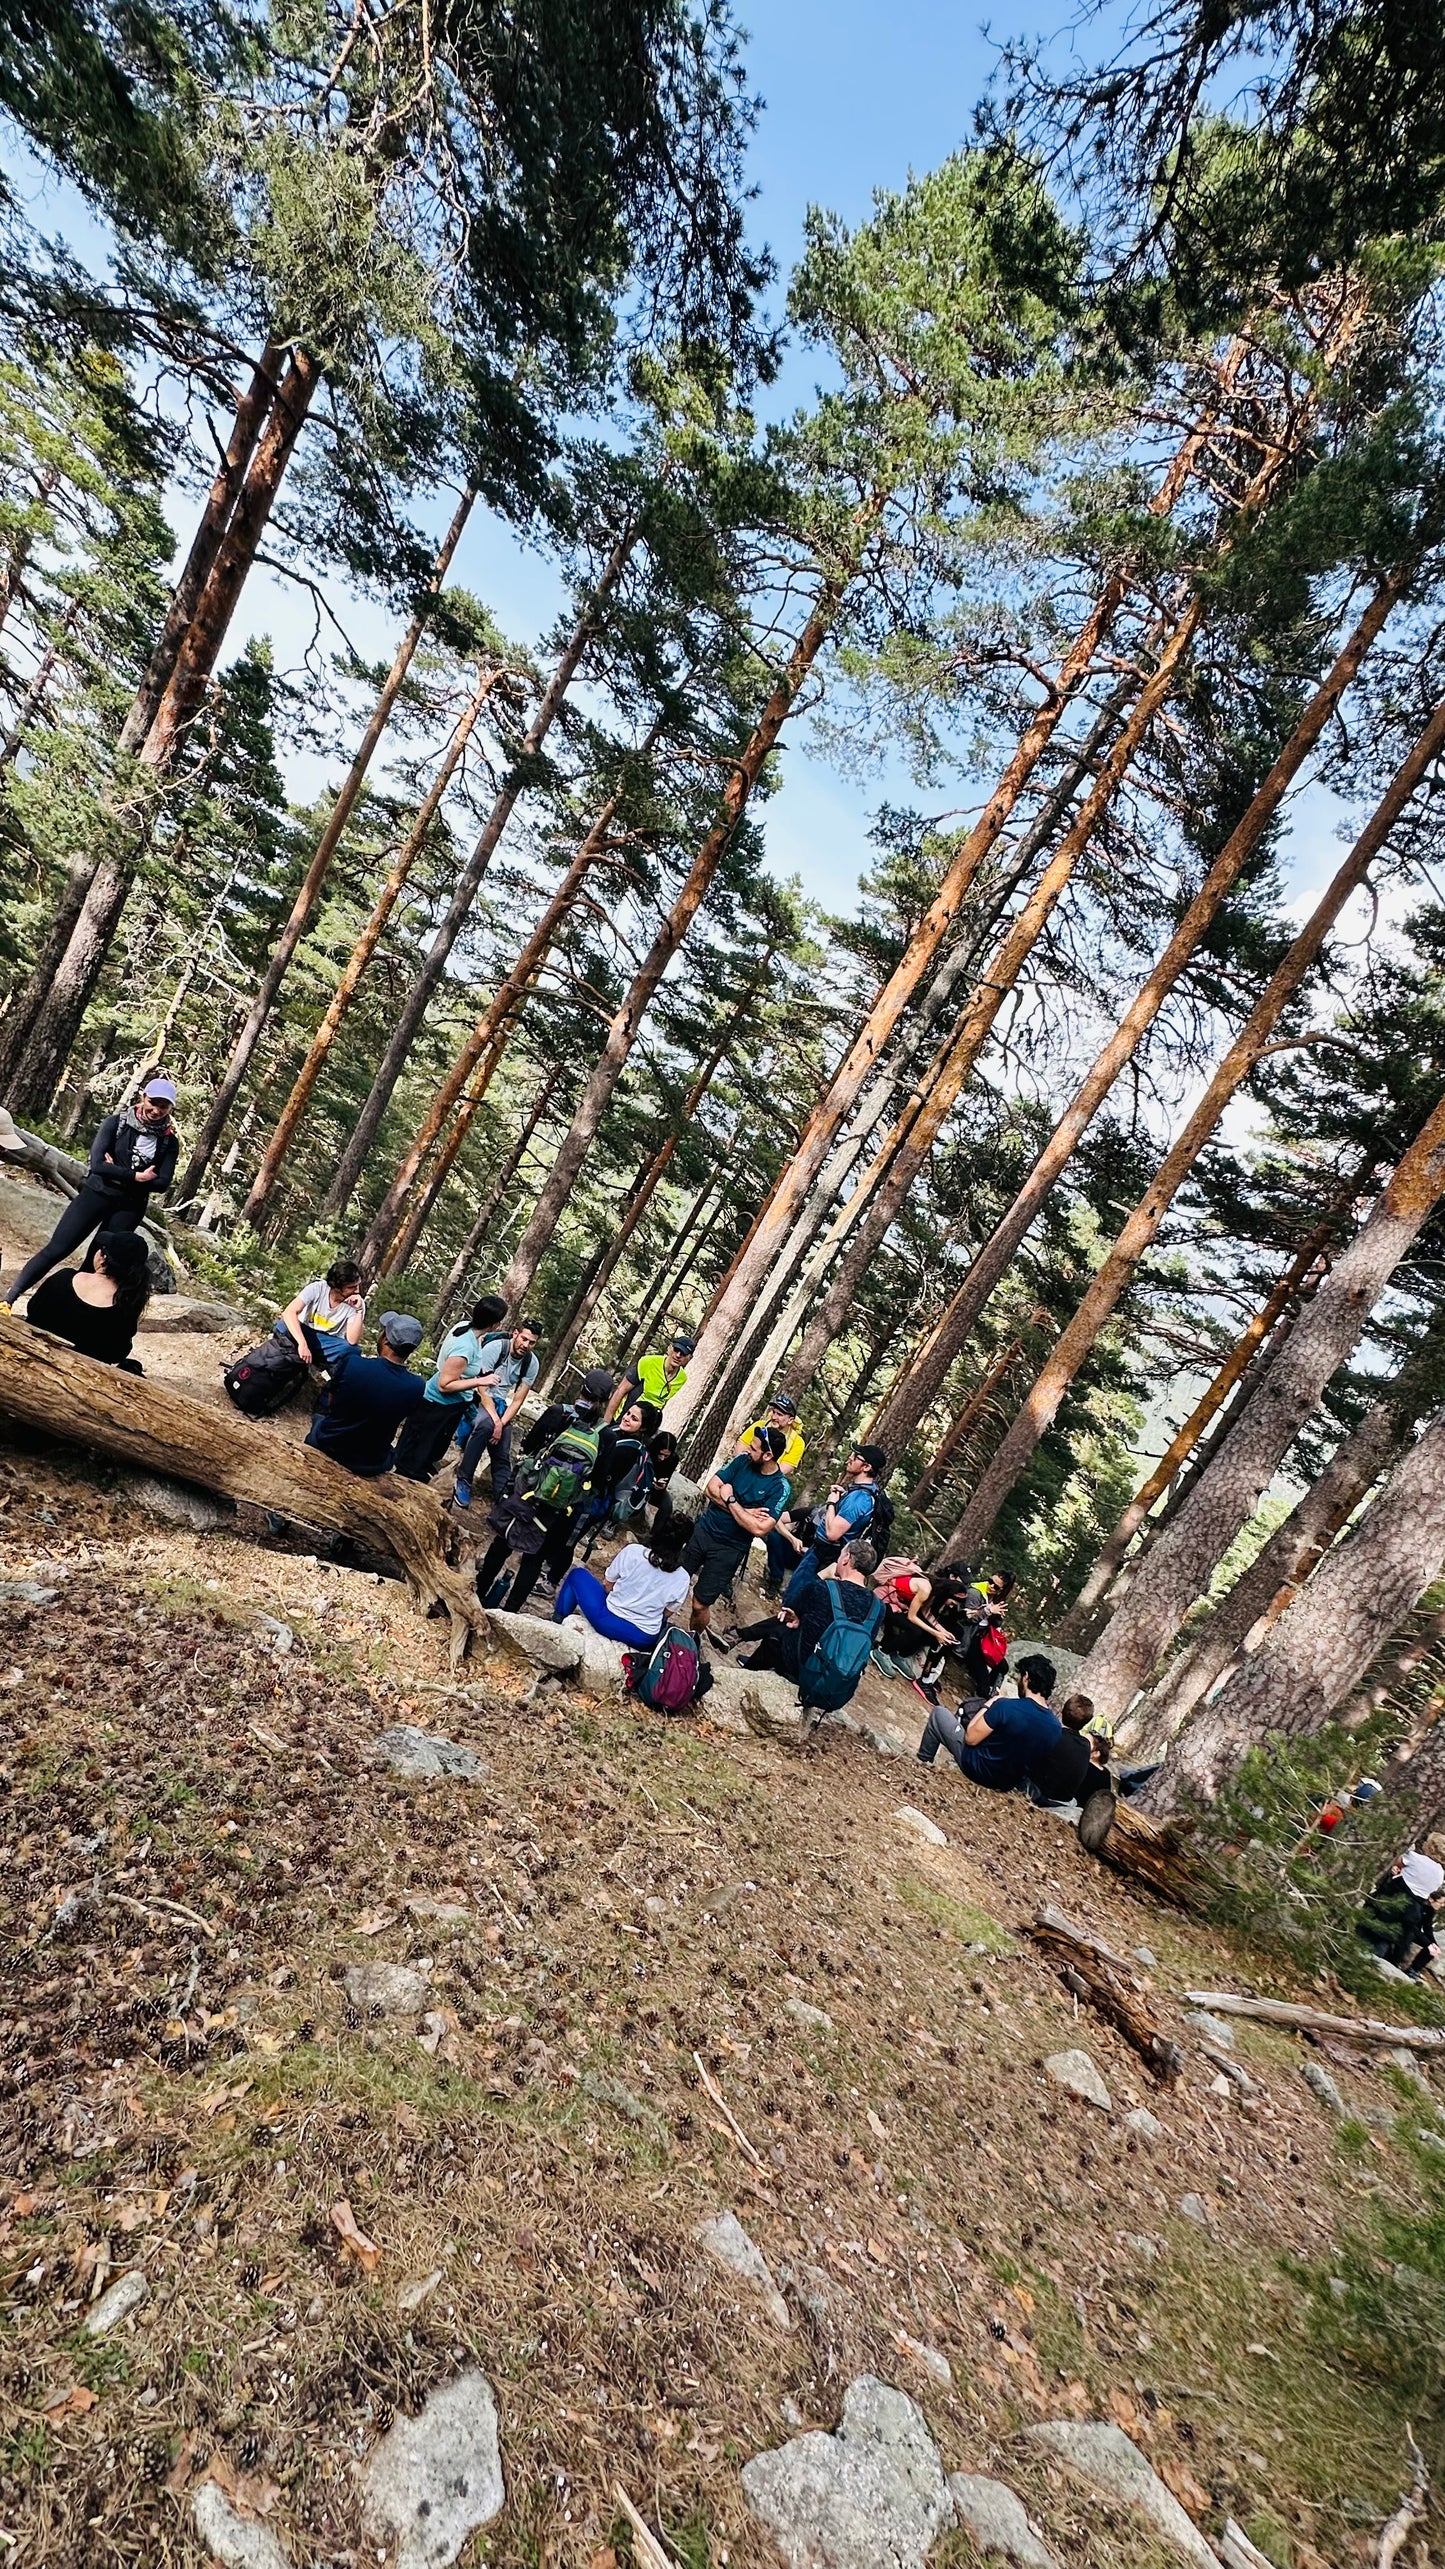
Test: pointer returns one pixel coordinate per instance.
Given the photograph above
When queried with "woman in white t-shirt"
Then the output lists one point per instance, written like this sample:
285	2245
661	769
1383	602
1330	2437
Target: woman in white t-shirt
645	1583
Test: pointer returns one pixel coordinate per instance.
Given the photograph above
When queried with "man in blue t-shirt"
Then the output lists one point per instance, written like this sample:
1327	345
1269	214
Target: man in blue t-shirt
1004	1739
745	1498
797	1551
370	1396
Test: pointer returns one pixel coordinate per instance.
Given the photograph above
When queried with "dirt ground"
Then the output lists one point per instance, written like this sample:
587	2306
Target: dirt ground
199	1842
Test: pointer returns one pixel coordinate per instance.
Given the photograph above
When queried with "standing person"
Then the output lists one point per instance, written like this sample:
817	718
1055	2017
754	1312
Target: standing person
653	1380
984	1639
498	1402
744	1499
132	1162
538	1514
98	1308
803	1639
781	1412
853	1506
1398	1920
638	1590
332	1305
464	1368
1005	1739
370	1397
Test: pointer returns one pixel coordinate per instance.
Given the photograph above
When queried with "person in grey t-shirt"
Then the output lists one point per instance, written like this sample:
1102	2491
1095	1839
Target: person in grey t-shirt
497	1405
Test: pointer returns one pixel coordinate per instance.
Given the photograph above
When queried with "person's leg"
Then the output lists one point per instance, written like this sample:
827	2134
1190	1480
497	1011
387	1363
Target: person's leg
529	1571
777	1648
117	1217
943	1729
474	1454
782	1558
583	1593
712	1571
492	1564
86	1213
424	1440
802	1571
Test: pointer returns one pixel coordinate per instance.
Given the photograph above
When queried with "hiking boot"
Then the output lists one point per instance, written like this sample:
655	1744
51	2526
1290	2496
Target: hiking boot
462	1495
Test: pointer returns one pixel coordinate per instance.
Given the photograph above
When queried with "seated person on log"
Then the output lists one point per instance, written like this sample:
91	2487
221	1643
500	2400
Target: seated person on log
745	1498
539	1514
465	1367
498	1403
1000	1744
806	1542
639	1591
652	1380
787	1642
1077	1766
370	1398
1398	1920
333	1306
132	1162
98	1308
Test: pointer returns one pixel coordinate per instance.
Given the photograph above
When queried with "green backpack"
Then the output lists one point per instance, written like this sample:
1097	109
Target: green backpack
566	1467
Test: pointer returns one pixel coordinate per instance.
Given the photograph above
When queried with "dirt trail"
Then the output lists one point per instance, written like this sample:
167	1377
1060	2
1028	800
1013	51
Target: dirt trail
199	1845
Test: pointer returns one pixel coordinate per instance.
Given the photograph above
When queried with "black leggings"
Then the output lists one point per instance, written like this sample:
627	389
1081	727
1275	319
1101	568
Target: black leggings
92	1210
777	1647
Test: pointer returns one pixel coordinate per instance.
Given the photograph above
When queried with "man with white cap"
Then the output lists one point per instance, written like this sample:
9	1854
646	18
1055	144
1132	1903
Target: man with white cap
132	1162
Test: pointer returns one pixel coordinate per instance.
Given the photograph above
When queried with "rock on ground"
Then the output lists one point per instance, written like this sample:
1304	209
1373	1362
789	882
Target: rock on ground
173	1312
418	1753
237	2541
389	1986
1194	2208
872	2495
726	1701
1320	2084
176	1503
1147	2125
998	2521
542	1645
1105	2460
125	2295
807	2014
921	1825
1217	2029
1075	2071
726	2241
436	2479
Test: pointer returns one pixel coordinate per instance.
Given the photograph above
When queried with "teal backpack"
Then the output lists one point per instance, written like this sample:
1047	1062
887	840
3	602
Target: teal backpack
829	1676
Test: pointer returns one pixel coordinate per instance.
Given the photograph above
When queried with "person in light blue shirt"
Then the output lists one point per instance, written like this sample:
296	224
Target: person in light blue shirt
467	1359
806	1544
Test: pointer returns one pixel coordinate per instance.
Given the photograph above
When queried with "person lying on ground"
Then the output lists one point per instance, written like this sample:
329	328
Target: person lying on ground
538	1514
744	1499
370	1398
782	1411
498	1402
332	1305
1078	1763
132	1161
1000	1745
639	1590
466	1366
793	1641
652	1380
855	1505
1398	1920
98	1308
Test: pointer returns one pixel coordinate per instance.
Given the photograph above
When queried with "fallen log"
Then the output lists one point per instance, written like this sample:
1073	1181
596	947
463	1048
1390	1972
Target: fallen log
1095	1971
1152	1851
44	1384
1312	2020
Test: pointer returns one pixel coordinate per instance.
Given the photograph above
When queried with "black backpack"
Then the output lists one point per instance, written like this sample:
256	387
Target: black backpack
265	1378
880	1524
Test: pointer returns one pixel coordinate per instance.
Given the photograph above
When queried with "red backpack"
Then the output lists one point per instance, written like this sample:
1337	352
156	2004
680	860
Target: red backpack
993	1644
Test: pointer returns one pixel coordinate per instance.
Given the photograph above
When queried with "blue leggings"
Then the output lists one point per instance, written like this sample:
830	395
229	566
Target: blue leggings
582	1593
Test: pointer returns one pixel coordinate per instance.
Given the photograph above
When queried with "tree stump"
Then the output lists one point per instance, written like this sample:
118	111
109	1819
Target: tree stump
45	1384
1153	1851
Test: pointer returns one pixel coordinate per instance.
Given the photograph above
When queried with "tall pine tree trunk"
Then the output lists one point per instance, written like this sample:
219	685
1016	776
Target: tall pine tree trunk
883	1192
916	1395
57	1019
1181	1445
303	908
1077	1340
392	887
623	1031
459	908
1325	1638
252	411
965	1421
487	1211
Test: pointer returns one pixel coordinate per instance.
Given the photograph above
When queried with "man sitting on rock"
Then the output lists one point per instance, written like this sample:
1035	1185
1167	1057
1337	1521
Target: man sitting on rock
797	1643
1001	1744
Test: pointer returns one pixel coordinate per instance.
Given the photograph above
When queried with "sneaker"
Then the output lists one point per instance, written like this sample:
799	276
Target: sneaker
462	1495
7	1310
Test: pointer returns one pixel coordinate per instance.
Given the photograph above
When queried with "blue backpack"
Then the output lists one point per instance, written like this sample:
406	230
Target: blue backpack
830	1675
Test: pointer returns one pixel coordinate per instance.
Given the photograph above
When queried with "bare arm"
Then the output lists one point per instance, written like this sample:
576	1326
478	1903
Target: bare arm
292	1317
977	1731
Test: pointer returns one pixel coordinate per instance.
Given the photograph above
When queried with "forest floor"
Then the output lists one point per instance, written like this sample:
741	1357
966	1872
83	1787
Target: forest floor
200	1844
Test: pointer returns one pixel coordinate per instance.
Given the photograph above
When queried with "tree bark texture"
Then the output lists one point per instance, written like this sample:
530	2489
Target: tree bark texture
1075	1625
46	1385
1325	1639
623	1030
392	887
1078	1338
57	1020
918	1392
488	1209
965	1422
303	908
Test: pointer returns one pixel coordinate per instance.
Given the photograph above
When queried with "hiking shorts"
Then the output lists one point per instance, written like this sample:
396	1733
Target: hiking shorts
713	1567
